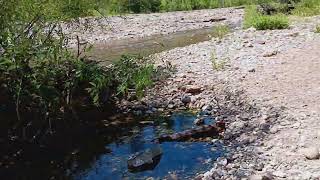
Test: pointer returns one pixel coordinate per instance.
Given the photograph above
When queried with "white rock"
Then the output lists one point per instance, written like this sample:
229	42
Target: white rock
279	174
311	153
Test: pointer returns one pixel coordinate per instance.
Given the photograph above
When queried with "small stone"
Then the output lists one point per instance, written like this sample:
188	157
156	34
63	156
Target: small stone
193	89
170	106
214	141
259	167
207	108
279	174
199	121
311	153
270	53
252	70
186	99
222	161
261	42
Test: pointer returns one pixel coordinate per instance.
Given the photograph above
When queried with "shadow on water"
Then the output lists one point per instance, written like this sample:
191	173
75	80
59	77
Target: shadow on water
184	159
86	155
113	50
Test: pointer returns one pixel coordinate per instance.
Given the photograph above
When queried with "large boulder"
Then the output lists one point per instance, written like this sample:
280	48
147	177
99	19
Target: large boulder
146	160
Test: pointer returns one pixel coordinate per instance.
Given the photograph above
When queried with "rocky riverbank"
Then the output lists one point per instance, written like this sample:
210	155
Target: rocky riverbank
237	94
134	26
263	84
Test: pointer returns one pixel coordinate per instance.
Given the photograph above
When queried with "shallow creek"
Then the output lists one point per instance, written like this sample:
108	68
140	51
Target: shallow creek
113	50
181	159
105	156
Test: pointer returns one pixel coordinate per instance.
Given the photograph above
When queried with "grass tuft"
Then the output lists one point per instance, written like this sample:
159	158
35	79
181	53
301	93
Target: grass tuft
220	31
216	63
317	29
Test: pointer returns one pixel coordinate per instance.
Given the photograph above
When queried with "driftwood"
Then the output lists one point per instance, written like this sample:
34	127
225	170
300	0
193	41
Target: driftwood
200	132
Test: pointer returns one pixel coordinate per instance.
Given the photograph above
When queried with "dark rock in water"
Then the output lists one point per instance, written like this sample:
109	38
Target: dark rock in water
200	132
146	160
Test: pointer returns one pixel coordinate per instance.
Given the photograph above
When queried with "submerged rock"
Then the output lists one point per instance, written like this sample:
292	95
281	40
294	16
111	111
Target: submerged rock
146	160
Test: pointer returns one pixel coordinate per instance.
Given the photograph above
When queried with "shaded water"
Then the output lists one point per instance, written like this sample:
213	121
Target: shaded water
79	155
184	159
113	50
85	155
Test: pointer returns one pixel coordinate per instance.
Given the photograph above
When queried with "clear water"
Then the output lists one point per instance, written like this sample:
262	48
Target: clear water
82	155
184	159
113	50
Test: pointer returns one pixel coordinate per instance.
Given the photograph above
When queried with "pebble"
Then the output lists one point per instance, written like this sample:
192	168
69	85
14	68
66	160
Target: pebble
311	153
199	121
186	99
279	174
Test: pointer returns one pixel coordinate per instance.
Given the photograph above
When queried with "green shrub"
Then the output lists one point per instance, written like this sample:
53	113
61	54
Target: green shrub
307	8
37	71
263	22
131	73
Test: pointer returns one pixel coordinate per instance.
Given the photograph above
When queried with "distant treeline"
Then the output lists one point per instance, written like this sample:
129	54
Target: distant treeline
66	9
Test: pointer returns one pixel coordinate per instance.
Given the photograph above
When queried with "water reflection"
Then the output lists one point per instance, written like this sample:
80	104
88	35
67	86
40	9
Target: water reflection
77	154
183	158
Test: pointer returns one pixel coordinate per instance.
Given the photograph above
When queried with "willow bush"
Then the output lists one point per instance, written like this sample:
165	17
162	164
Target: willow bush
39	72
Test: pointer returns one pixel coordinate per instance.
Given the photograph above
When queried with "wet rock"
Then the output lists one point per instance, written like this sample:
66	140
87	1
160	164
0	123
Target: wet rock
222	161
146	160
186	99
199	121
196	133
311	153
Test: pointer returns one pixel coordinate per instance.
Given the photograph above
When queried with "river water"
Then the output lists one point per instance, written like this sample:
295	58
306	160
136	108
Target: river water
113	50
181	159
